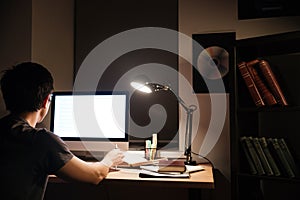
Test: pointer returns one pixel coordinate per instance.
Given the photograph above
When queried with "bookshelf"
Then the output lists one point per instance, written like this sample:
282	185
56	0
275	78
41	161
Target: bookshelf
282	51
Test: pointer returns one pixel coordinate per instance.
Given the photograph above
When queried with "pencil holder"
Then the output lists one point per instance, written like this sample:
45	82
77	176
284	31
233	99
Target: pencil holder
150	153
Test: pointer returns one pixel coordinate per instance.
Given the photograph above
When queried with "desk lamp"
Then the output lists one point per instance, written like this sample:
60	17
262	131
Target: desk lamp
155	87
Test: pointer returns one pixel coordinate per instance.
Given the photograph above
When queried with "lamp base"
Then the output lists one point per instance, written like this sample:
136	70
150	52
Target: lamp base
190	162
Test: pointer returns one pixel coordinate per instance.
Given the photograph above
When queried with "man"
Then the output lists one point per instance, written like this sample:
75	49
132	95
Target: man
30	154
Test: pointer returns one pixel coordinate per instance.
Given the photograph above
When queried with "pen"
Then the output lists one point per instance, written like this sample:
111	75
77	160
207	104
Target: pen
116	147
153	146
154	140
147	149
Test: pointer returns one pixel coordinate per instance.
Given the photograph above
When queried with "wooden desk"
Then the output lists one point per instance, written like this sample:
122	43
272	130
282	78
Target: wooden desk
201	179
122	183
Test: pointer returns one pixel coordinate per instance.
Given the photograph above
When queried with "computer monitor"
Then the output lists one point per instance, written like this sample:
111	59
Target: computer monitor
91	121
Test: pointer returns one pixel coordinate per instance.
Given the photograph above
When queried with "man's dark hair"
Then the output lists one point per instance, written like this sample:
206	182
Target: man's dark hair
25	86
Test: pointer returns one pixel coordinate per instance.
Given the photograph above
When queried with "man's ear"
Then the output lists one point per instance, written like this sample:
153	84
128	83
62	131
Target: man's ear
45	102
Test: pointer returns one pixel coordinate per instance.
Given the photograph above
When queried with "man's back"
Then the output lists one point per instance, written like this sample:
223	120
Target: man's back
27	158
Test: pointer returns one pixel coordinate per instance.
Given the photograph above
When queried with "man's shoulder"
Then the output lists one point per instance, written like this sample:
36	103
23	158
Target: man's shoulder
46	134
9	122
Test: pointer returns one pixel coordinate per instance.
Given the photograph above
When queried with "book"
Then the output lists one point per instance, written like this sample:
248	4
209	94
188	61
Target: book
132	159
253	154
262	157
151	174
265	148
288	155
280	157
166	166
264	91
272	82
242	66
248	157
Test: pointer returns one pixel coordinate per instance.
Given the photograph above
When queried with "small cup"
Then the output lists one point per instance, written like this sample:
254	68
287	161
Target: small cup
150	153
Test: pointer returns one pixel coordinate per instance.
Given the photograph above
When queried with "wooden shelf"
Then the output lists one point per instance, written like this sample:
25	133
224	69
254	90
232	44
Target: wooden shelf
267	121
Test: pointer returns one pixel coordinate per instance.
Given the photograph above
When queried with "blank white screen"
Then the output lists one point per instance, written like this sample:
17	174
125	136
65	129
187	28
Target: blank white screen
109	111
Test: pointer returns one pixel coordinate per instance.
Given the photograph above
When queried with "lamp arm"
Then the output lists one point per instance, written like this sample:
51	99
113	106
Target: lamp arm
181	102
188	135
188	129
189	121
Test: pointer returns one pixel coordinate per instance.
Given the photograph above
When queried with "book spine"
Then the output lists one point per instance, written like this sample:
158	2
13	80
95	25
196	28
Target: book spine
288	155
265	93
254	156
171	166
264	146
248	157
272	81
262	157
281	158
250	84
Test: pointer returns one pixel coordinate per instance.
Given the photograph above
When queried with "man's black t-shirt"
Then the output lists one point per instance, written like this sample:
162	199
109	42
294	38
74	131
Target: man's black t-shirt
27	156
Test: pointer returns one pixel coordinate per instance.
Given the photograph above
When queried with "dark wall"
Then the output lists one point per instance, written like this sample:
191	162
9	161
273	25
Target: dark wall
96	21
15	34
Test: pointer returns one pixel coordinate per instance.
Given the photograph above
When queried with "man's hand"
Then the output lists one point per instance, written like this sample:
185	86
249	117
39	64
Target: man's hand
113	158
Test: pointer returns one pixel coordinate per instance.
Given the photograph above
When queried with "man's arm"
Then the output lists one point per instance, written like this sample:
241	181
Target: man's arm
81	171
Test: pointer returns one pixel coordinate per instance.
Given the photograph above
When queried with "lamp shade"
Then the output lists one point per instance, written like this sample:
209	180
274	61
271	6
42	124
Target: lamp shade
149	87
141	87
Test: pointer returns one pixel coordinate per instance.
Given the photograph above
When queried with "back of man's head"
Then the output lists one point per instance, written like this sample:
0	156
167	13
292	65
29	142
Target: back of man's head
25	86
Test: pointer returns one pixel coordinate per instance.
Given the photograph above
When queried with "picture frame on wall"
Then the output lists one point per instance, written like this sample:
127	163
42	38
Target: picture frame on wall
255	9
212	63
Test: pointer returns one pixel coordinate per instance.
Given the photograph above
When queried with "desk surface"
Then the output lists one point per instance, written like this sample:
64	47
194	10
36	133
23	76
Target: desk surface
200	179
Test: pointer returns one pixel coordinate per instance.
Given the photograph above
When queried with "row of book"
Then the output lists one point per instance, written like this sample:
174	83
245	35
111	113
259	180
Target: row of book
262	83
269	156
